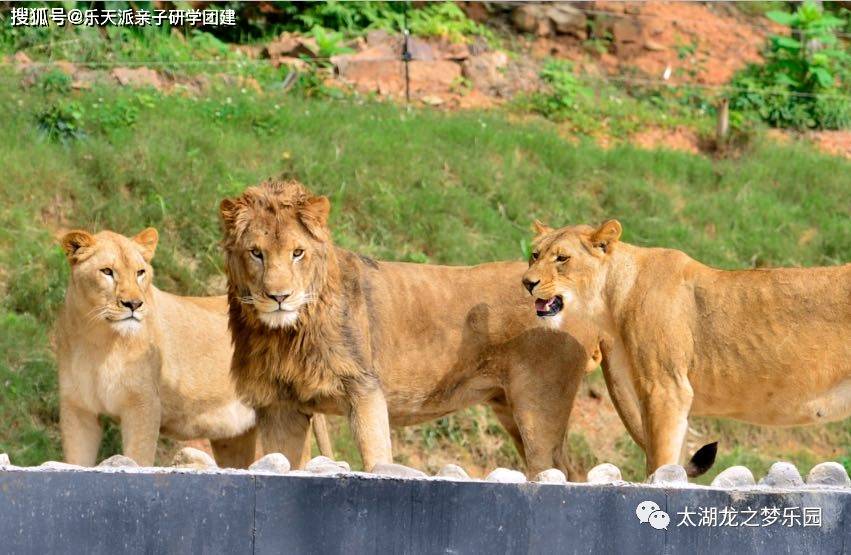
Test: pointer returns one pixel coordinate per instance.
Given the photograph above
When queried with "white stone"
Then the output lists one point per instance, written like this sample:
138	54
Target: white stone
734	477
605	473
453	472
118	461
57	465
4	460
506	476
189	457
397	471
782	475
276	463
324	465
669	474
829	474
551	476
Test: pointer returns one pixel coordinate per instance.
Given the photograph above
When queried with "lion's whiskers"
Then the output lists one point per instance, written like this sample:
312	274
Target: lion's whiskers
249	299
97	313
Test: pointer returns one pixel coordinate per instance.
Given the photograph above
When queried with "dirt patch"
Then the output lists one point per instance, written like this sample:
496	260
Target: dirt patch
681	139
693	42
837	143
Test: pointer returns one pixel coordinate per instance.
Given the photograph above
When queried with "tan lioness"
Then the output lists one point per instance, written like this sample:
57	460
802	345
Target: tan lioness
319	328
768	346
154	361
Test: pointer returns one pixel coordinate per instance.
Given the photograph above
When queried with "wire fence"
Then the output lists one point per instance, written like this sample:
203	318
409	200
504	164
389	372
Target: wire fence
610	79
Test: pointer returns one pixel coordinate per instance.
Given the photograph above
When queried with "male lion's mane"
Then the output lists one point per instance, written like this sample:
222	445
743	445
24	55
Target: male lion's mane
323	355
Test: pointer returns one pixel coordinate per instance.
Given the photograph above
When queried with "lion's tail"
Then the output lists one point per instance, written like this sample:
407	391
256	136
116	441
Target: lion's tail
702	460
320	431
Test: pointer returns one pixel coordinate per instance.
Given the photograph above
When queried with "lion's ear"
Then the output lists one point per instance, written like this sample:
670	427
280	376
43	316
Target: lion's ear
540	228
147	239
606	235
228	210
314	215
75	244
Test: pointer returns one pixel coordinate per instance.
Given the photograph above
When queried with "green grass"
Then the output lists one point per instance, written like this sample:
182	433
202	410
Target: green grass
458	188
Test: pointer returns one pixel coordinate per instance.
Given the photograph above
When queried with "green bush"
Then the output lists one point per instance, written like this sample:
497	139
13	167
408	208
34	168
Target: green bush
61	121
443	19
804	80
565	90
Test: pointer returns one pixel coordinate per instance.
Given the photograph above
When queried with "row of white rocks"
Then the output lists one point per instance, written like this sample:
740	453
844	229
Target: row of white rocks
781	475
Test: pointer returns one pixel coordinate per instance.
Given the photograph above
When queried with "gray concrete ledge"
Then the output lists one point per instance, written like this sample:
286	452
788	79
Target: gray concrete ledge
139	511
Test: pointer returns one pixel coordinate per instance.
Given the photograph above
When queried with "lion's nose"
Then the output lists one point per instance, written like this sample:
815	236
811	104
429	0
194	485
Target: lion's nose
529	284
132	304
278	298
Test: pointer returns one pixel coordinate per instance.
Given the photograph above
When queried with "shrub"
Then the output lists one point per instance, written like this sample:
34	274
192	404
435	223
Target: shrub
444	19
804	80
565	90
61	121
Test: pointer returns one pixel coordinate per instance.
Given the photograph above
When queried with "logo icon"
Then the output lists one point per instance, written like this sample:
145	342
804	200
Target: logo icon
649	512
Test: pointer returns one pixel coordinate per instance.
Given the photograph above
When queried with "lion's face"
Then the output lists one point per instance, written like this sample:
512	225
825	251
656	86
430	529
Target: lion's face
567	267
111	276
275	245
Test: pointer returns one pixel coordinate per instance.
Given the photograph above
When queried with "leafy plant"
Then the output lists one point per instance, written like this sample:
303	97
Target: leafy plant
329	43
565	89
55	81
804	80
444	19
61	121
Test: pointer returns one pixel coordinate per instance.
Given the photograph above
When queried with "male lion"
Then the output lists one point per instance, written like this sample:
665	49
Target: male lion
319	328
155	361
679	338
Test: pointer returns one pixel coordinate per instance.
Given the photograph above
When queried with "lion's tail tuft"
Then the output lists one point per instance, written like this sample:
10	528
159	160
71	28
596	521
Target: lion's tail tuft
702	460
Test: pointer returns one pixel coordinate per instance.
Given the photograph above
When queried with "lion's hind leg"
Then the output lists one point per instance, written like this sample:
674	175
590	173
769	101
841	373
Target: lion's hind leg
541	399
503	413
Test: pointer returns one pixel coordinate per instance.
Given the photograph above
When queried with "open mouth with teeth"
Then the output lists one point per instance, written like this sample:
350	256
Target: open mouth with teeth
549	307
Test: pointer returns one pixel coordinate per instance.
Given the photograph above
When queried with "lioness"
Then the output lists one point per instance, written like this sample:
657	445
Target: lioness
768	346
319	328
155	361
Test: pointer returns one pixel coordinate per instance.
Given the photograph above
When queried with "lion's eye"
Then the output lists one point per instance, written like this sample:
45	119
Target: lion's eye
297	253
535	255
256	253
106	271
140	273
562	258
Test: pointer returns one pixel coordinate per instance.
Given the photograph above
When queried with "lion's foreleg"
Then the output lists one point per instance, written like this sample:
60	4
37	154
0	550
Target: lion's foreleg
81	434
140	429
287	431
371	427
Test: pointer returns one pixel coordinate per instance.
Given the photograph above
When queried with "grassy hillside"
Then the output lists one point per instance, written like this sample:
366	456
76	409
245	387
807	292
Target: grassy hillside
425	186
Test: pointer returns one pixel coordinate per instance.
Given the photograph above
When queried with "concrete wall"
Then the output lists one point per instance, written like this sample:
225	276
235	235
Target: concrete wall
155	511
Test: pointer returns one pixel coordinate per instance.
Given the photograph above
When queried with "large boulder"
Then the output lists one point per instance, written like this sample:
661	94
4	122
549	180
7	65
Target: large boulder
138	77
567	20
291	45
486	71
532	18
628	36
548	19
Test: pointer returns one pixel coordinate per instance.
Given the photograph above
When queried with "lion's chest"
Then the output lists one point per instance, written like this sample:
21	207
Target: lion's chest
104	383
